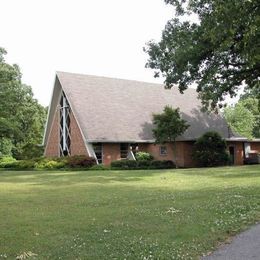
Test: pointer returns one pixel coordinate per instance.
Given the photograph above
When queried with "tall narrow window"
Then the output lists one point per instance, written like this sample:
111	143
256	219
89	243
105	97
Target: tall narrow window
98	151
247	149
123	150
65	138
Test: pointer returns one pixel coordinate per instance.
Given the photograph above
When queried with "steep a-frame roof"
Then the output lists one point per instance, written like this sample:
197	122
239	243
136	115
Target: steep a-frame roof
117	110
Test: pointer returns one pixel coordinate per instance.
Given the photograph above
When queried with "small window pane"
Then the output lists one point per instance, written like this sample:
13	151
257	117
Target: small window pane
163	150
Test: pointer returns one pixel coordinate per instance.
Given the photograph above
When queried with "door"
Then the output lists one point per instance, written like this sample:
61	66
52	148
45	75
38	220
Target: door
232	154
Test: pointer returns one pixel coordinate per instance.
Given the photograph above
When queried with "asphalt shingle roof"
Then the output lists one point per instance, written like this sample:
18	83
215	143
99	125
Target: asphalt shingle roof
117	110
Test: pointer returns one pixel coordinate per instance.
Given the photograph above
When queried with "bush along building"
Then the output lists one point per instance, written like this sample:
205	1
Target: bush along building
111	119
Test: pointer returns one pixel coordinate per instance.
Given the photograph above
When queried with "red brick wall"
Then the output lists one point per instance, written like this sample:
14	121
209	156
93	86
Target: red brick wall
187	154
52	146
255	146
183	149
77	141
239	152
111	152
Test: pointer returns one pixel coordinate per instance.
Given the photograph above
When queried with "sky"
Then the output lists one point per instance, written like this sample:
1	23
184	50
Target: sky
104	38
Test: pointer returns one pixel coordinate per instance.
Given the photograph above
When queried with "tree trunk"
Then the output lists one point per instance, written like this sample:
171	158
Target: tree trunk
174	154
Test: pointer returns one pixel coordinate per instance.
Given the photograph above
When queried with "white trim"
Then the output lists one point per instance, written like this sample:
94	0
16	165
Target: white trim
48	114
75	117
56	112
102	154
131	156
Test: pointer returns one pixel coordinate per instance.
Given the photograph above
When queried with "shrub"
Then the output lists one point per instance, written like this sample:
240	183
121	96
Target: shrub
6	160
22	165
50	164
131	165
143	156
124	164
99	167
210	150
166	164
143	164
19	165
80	161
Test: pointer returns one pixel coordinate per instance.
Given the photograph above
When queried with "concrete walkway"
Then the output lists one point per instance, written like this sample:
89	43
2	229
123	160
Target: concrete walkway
245	246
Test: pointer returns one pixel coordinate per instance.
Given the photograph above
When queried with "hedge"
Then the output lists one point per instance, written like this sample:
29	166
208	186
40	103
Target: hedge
131	165
79	161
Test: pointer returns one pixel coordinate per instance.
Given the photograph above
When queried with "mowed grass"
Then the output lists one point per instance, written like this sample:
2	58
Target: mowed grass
156	214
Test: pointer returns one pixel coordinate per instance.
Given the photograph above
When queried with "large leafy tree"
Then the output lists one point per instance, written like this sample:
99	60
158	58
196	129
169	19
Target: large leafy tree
168	126
244	117
240	119
22	118
218	52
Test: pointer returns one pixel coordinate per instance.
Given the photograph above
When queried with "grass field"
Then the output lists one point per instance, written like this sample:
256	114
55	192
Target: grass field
162	214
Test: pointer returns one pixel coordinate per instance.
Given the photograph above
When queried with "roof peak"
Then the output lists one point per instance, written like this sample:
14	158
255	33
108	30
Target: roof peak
106	77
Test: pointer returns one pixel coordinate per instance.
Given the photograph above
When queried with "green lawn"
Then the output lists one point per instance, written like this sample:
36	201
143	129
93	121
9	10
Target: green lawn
156	214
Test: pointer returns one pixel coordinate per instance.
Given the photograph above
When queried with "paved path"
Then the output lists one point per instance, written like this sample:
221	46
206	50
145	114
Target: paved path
245	246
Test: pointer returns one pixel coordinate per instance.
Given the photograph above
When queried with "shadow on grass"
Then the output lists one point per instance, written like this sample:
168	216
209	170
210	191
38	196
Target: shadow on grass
59	178
66	177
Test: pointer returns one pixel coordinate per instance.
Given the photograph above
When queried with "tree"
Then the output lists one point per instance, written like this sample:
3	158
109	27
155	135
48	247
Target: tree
210	150
168	126
22	118
244	117
218	53
240	119
251	100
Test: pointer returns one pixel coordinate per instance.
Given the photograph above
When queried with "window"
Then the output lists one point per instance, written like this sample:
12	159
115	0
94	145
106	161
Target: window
65	138
98	151
163	150
247	149
123	150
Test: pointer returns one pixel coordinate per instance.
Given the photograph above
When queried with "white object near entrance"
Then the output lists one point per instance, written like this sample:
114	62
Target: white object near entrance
131	156
247	149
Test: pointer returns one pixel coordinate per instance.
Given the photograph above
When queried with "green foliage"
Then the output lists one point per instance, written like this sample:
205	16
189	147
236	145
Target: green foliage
6	147
6	160
164	164
42	163
210	150
240	119
50	164
168	125
22	118
80	161
21	165
218	52
143	164
143	156
253	105
124	164
28	151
